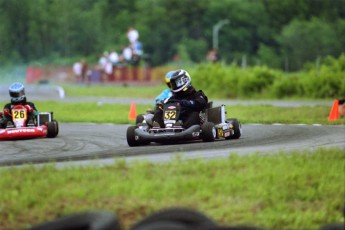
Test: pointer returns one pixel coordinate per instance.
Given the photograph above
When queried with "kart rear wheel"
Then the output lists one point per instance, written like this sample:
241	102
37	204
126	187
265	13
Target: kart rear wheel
131	136
53	129
237	128
208	132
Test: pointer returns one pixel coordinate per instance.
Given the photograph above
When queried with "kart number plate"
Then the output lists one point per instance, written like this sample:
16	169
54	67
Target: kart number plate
19	114
220	132
170	115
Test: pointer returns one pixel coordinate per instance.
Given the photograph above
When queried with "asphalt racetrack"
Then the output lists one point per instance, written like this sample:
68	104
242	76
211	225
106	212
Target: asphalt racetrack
80	143
104	143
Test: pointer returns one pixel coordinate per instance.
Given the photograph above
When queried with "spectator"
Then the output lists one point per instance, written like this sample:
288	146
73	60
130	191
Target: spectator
121	65
103	59
212	56
127	54
114	59
137	51
108	71
102	62
77	71
137	48
132	35
84	71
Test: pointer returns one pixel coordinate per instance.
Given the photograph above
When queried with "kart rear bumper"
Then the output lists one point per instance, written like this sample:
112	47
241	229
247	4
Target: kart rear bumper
191	133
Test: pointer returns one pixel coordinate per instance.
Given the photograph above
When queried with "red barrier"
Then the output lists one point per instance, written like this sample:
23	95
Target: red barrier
33	74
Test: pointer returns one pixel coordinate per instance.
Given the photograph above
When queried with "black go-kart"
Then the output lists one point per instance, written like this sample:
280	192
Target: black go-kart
213	125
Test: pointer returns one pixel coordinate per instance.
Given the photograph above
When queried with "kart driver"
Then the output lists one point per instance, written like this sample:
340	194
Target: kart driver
17	94
191	100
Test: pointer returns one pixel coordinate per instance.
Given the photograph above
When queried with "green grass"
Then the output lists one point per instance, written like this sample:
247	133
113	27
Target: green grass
111	113
301	190
118	114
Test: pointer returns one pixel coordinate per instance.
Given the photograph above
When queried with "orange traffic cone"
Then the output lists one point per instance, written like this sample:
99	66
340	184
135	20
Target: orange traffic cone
334	113
132	115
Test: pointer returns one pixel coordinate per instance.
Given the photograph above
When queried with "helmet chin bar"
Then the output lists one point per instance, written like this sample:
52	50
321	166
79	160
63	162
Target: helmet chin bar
18	100
180	89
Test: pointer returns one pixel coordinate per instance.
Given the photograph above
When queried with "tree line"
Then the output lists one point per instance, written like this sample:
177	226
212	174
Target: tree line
280	34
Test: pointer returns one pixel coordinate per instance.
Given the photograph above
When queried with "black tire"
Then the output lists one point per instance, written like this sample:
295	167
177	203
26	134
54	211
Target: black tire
237	126
166	225
208	132
53	129
175	217
131	136
100	220
139	119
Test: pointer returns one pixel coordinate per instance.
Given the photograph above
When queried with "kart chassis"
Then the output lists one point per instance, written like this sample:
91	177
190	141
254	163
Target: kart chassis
214	125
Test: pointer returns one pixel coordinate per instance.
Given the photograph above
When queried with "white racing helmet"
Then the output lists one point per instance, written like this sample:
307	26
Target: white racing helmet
180	81
17	92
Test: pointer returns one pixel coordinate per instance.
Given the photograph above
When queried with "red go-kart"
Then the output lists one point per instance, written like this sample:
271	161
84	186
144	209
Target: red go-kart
22	128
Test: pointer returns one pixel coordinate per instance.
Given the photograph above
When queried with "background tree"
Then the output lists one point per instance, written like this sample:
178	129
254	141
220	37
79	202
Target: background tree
266	32
303	41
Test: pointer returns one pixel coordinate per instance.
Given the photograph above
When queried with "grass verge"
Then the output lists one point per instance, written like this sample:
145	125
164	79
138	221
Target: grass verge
118	114
299	190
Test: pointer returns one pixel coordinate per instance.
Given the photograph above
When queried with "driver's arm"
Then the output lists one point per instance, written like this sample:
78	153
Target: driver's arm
200	100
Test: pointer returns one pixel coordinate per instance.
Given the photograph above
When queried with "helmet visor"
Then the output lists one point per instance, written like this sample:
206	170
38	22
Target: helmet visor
179	82
17	94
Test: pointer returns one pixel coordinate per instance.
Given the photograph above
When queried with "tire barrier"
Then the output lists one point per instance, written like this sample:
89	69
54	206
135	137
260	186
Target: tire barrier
96	220
174	218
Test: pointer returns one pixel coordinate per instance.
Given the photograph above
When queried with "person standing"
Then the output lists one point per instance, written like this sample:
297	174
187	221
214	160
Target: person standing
132	35
77	71
84	71
114	59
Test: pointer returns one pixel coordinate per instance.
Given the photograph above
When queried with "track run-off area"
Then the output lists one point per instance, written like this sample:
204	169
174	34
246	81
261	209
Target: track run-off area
104	143
87	143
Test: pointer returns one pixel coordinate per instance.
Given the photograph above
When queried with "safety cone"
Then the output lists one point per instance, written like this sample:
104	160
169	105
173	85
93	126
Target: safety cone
334	113
132	115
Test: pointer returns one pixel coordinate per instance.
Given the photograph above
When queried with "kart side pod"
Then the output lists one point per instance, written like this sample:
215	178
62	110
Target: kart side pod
44	117
216	114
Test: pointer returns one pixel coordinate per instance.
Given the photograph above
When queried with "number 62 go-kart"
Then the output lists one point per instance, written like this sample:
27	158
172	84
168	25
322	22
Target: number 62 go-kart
23	128
214	125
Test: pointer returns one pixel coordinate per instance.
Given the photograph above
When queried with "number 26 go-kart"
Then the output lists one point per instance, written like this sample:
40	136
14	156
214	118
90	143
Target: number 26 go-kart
23	128
214	125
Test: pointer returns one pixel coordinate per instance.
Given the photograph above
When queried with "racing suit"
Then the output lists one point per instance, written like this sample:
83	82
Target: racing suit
166	93
191	101
7	113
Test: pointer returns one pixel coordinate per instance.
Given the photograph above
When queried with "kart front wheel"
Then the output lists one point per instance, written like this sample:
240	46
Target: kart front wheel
131	136
208	132
139	118
53	129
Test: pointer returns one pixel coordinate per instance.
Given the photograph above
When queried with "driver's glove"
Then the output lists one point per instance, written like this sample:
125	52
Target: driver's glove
29	108
6	113
160	105
187	103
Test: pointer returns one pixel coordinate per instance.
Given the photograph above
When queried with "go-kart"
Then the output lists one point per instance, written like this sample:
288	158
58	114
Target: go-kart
213	125
20	127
